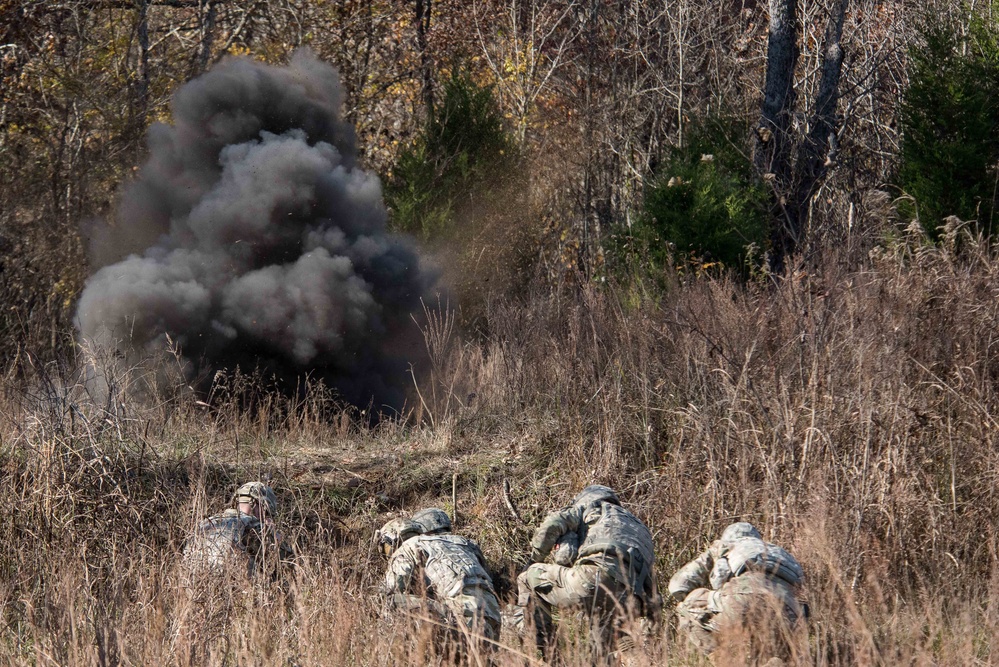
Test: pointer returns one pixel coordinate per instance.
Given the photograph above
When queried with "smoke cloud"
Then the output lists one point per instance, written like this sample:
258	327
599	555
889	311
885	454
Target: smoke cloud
252	239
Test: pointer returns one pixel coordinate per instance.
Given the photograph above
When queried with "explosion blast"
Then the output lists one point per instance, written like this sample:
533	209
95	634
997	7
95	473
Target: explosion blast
251	239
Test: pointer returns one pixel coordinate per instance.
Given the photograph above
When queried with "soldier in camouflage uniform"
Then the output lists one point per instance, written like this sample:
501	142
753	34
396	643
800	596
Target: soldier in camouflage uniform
243	535
431	569
740	588
603	566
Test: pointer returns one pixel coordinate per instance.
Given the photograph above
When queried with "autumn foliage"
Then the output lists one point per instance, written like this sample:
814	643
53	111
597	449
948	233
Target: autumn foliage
585	180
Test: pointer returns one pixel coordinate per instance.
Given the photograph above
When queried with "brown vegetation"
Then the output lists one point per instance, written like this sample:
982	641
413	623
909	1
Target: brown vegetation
847	408
848	412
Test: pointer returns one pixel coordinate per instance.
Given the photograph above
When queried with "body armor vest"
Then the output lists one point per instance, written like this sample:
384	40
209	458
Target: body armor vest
452	565
751	554
612	530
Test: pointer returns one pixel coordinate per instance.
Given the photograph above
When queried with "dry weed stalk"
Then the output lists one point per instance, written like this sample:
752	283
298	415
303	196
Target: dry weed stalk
851	413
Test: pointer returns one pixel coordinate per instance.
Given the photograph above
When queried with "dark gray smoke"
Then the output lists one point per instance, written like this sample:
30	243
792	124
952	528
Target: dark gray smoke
252	240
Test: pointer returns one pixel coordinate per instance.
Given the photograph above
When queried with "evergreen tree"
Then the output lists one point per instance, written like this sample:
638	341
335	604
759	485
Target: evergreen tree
950	125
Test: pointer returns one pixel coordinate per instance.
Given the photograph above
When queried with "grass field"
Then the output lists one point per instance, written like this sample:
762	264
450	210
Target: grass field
849	412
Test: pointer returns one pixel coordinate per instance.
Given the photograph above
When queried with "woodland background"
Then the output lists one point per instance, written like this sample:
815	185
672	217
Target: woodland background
734	259
533	137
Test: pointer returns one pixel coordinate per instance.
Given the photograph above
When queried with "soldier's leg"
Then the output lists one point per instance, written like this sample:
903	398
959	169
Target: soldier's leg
480	612
532	609
543	587
563	587
758	620
696	616
558	587
611	612
586	588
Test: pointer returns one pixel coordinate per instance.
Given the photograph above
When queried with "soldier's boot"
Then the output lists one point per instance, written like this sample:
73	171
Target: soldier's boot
634	635
513	618
544	626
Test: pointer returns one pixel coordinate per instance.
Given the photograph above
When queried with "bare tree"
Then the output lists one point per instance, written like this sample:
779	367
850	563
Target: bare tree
524	44
795	182
423	13
772	155
817	150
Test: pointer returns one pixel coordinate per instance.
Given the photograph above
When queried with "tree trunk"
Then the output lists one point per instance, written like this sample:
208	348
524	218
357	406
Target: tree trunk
772	155
795	184
143	82
423	8
206	16
817	152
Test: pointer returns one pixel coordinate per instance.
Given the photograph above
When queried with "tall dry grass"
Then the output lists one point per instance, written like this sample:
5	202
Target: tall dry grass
849	411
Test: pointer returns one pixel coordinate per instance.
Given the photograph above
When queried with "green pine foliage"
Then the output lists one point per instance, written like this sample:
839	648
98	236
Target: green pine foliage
462	145
704	208
950	126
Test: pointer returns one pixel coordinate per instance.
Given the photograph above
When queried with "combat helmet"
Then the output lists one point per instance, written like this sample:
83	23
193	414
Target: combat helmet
739	530
257	492
596	493
433	520
391	536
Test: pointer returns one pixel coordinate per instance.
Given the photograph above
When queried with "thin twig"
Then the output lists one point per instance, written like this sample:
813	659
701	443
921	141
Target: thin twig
508	500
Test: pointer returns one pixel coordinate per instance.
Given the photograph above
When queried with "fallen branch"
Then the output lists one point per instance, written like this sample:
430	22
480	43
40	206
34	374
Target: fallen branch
508	500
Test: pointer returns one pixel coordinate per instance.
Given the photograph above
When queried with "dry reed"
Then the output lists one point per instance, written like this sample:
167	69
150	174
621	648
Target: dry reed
851	413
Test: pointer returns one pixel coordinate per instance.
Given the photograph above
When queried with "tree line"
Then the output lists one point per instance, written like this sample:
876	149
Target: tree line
551	140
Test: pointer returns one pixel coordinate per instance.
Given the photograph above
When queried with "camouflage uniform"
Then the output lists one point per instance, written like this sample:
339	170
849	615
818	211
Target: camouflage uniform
603	564
219	556
235	537
449	569
740	585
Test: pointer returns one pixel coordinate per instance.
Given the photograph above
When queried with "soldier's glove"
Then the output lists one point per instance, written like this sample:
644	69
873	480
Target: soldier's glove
566	550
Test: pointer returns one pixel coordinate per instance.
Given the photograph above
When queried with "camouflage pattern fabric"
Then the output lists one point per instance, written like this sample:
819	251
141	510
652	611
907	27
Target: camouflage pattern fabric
749	610
740	584
566	550
586	586
603	567
451	570
231	539
609	537
739	550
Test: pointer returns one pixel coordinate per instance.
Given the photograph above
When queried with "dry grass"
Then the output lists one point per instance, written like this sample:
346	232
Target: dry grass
851	413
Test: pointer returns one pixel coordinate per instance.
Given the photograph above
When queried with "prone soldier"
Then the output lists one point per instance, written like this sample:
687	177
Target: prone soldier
424	556
740	588
244	534
603	566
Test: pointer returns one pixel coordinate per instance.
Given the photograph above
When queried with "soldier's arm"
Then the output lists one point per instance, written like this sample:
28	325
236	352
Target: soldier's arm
692	575
552	529
401	569
399	579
